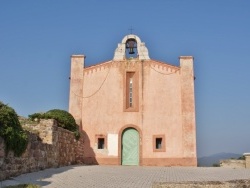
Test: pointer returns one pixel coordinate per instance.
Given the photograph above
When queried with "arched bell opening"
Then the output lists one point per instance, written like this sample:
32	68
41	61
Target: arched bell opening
131	48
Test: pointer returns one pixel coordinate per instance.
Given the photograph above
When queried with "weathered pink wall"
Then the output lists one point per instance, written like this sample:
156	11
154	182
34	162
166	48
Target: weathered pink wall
166	107
162	109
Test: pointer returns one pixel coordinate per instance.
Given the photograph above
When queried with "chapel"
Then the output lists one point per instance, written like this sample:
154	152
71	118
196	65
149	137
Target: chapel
134	110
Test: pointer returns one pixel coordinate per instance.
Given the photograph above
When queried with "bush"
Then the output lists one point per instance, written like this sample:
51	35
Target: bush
37	116
242	158
63	118
11	131
216	165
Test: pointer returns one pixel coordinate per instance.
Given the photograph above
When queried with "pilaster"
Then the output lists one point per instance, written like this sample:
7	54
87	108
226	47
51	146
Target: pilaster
76	86
188	106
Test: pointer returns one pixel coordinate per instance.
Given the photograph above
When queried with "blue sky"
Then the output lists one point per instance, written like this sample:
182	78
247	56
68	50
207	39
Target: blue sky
37	39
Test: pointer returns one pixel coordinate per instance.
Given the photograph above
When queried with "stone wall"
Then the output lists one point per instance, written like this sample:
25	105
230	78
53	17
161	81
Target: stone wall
233	163
206	184
48	146
247	156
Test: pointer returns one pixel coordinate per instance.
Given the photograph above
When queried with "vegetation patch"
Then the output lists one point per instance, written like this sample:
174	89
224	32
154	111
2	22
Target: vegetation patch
64	119
14	136
242	158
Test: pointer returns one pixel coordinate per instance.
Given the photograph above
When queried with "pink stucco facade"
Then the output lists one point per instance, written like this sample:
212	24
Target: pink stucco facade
163	108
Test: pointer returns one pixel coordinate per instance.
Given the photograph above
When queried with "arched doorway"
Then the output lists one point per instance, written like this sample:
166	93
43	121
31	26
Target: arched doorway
130	147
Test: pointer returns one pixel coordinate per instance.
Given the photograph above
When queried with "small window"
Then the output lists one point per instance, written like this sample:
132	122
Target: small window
101	143
158	142
131	91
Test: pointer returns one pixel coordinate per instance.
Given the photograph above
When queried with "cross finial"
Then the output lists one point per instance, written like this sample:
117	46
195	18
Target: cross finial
131	29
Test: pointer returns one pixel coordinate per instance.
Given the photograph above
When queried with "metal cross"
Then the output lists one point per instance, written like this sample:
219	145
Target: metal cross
131	30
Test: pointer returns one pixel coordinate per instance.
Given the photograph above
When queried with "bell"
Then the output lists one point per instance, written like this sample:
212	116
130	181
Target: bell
131	46
131	50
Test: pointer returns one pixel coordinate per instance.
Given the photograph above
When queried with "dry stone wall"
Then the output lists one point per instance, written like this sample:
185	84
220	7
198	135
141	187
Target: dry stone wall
247	156
233	163
205	184
48	146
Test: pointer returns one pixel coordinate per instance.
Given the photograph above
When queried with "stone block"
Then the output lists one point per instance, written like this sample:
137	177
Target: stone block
247	158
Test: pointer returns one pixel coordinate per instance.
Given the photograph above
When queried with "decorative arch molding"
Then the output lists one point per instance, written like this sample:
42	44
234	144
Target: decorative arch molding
120	52
120	142
138	40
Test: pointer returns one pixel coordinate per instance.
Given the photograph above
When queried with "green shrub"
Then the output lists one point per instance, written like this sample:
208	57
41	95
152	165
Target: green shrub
63	118
216	165
11	131
77	134
242	158
37	116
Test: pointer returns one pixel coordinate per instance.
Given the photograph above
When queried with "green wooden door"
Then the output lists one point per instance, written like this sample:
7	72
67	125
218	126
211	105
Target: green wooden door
130	147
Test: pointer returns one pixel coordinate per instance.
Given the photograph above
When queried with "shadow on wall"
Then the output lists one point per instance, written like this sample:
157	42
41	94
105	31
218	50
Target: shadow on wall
89	154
